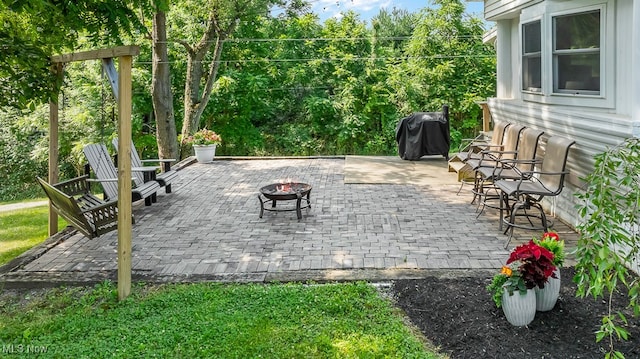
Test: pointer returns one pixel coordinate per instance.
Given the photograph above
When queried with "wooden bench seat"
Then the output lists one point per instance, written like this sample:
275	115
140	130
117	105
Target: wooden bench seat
85	212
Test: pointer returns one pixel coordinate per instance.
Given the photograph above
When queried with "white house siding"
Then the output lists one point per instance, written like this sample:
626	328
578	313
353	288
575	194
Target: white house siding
497	9
595	129
633	64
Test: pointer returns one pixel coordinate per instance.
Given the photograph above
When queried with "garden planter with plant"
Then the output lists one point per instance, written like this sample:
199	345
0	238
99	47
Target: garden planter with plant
204	144
547	297
529	266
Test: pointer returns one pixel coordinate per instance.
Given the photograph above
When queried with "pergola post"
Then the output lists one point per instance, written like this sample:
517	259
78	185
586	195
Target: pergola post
124	177
125	56
53	147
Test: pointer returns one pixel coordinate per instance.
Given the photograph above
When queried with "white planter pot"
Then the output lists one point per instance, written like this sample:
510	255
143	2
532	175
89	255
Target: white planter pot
519	309
547	297
205	153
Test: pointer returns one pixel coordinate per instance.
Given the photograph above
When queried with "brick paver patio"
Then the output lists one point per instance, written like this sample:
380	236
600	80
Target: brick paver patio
208	229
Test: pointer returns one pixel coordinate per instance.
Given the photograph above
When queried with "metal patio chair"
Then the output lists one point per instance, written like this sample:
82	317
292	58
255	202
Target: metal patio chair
508	168
471	149
489	158
531	187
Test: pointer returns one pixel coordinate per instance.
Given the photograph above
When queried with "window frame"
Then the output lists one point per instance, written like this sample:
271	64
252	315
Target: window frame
546	12
531	55
555	54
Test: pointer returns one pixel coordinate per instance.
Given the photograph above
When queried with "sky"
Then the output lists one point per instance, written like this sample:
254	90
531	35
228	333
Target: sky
369	8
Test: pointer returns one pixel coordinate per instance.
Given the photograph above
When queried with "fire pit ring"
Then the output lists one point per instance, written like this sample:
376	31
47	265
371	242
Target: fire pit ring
285	192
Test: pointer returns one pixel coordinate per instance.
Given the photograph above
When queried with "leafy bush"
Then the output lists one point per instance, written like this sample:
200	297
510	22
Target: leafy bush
609	235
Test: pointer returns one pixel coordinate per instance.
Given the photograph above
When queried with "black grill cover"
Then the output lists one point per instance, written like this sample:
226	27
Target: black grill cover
424	133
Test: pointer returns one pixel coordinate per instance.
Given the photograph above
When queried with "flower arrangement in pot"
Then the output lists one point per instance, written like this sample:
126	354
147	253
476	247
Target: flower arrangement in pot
204	137
529	266
204	144
547	297
552	242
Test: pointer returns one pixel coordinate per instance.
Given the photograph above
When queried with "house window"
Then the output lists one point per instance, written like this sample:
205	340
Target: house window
576	53
531	57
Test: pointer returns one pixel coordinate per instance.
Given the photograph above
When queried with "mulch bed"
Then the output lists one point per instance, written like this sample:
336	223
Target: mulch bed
459	317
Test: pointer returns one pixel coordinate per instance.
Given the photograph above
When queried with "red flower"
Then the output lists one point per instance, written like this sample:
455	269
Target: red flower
536	263
552	235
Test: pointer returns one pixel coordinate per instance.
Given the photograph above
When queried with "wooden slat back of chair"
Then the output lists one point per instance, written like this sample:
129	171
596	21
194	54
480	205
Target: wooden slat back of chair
67	208
98	157
528	148
555	161
138	177
511	140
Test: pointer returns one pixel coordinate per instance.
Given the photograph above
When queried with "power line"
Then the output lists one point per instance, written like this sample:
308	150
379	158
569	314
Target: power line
324	39
329	59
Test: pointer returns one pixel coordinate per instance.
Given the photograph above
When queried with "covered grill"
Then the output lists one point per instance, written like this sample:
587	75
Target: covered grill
424	133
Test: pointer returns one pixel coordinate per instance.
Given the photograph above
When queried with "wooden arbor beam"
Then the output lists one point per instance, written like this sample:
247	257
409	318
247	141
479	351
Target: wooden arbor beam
118	51
125	60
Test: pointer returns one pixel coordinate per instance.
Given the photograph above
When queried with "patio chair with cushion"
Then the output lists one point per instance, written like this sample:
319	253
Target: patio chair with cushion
531	187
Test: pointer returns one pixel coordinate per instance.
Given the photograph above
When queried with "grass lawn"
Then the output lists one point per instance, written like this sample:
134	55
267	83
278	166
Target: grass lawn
209	321
22	229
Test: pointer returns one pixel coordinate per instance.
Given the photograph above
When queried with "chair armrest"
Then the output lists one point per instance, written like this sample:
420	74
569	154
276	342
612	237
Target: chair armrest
510	163
467	144
492	146
149	172
159	160
165	162
535	179
493	155
502	152
102	180
107	180
517	161
145	169
545	173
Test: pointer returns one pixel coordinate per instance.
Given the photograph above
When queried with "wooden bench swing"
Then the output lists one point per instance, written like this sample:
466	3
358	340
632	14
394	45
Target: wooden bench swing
74	202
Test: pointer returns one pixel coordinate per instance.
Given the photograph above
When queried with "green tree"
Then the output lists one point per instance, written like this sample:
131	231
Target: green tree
448	63
220	19
608	243
34	30
284	84
161	93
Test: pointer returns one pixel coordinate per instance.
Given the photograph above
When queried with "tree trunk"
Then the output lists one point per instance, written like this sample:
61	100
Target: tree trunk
161	90
223	19
196	100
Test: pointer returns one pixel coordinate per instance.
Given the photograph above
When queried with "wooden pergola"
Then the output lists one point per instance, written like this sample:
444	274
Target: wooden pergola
124	54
